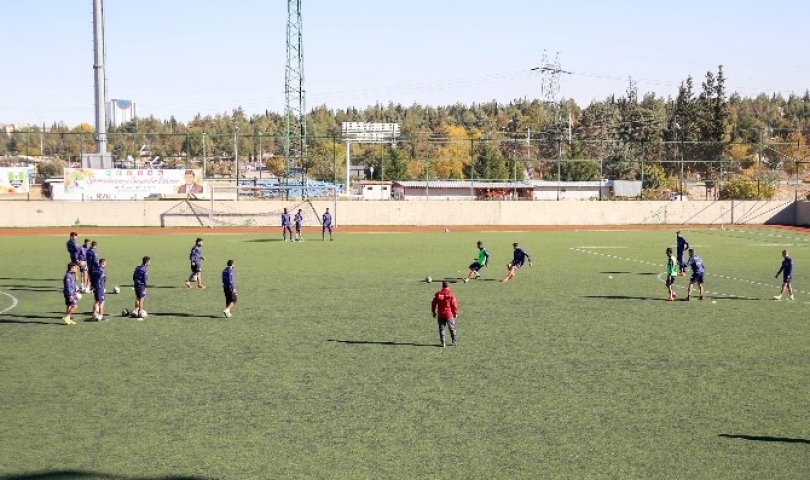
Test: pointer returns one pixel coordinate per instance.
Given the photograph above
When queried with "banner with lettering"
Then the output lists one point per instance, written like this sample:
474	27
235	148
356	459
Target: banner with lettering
129	184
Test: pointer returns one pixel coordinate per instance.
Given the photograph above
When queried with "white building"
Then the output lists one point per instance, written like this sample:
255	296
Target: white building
120	112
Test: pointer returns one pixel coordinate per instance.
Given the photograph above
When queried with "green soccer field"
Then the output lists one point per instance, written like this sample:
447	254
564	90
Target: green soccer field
330	367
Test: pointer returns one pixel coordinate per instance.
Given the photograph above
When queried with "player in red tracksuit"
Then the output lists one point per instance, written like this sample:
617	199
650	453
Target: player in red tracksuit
445	310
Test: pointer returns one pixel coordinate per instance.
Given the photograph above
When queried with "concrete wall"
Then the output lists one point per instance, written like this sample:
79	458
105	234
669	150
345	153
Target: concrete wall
426	213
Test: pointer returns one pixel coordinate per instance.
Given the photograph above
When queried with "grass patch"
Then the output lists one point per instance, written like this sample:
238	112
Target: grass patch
330	367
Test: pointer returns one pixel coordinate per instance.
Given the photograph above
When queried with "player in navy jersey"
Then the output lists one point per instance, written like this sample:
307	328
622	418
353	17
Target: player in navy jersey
196	258
326	224
229	287
681	246
99	284
92	258
139	278
73	247
698	270
299	222
519	258
787	276
81	261
69	291
286	225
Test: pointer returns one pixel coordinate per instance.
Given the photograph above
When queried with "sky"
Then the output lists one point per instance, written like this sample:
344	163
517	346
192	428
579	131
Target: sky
186	57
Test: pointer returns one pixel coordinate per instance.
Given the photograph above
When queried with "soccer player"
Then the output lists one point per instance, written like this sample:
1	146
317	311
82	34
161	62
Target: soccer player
69	291
81	260
482	260
73	247
445	310
519	257
326	224
672	270
787	276
139	279
196	258
698	269
229	287
92	259
99	284
299	221
285	225
681	246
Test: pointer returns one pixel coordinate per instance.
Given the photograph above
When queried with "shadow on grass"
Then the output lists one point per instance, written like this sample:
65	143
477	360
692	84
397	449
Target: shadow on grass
617	273
264	240
68	474
385	344
622	297
758	438
184	315
31	288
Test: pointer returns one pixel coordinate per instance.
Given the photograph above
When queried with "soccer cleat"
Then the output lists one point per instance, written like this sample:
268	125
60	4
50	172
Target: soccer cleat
442	345
455	343
201	287
68	321
700	297
227	314
777	297
668	299
791	297
687	299
188	284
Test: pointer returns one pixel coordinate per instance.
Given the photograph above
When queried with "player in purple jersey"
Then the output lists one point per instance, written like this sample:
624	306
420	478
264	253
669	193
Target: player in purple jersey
326	224
73	247
286	226
139	278
229	287
81	261
698	270
92	258
99	281
196	259
69	291
787	276
519	257
299	222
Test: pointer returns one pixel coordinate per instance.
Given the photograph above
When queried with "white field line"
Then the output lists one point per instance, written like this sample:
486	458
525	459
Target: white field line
661	266
770	235
14	302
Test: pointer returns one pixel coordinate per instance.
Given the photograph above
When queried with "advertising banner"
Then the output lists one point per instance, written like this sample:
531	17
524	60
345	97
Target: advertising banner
14	180
129	184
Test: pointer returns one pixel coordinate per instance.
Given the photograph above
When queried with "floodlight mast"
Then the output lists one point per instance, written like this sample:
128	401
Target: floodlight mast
98	69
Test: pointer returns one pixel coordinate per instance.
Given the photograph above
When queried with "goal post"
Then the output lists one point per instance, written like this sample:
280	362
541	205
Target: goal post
254	206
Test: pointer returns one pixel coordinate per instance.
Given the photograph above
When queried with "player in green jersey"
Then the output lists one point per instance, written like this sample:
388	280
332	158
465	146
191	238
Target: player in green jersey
481	260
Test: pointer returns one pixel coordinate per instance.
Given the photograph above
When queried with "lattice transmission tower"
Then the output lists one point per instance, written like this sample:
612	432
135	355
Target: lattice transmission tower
295	137
550	72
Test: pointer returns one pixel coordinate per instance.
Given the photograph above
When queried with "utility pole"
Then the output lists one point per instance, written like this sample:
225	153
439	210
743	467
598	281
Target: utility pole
98	68
295	137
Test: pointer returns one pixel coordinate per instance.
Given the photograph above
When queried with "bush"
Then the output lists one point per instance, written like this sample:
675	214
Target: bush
747	189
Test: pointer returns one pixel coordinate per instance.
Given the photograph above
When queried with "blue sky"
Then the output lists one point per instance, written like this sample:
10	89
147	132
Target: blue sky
183	57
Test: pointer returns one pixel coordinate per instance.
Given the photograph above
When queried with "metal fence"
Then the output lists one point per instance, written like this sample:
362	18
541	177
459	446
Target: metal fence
658	164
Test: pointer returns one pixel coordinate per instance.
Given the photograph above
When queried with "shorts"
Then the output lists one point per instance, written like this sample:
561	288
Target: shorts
475	266
196	267
670	280
82	265
787	279
230	296
140	293
99	295
70	300
696	278
298	227
515	265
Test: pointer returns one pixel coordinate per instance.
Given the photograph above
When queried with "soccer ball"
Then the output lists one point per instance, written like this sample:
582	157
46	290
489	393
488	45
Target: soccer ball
125	313
466	280
428	280
143	314
117	289
78	296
